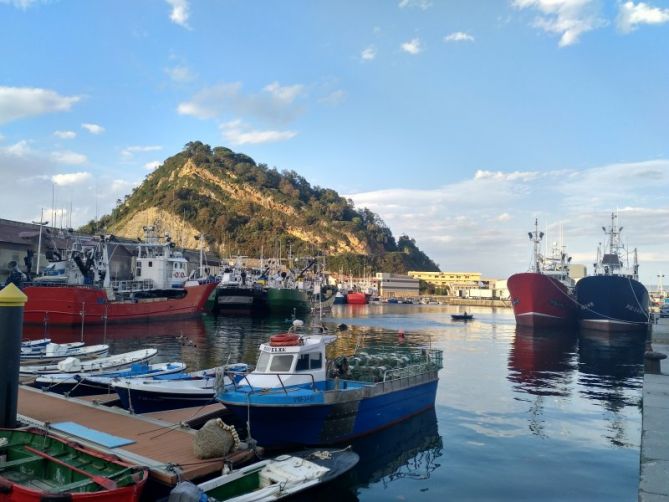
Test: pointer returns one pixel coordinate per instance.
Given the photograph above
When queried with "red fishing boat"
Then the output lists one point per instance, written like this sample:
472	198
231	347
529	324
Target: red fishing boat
37	466
78	290
356	298
544	296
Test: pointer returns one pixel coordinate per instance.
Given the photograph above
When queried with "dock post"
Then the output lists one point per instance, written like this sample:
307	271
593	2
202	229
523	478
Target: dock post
12	300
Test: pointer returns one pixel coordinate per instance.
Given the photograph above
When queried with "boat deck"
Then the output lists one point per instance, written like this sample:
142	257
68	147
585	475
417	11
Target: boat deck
159	441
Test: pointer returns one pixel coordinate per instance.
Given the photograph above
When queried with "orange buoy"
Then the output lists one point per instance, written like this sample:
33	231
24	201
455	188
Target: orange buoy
284	340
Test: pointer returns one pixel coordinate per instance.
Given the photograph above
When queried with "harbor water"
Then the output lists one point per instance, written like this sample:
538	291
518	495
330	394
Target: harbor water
519	415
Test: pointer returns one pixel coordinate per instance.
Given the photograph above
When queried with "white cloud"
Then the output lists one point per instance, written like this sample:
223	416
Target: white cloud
567	18
459	36
631	15
22	102
65	134
70	178
20	4
154	164
180	12
286	93
421	4
68	157
474	222
180	74
129	152
413	46
93	128
368	54
275	103
20	149
238	133
334	98
502	176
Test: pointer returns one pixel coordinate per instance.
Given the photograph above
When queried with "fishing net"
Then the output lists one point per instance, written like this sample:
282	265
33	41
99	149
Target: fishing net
215	439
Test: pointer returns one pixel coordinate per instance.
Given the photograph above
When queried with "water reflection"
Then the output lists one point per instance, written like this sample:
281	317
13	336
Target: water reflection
611	375
408	450
542	362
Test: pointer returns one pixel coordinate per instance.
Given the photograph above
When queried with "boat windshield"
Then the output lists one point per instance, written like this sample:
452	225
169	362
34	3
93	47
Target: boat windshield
281	363
263	361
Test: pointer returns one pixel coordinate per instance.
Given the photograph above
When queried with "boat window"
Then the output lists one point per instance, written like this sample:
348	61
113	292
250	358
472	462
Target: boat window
316	360
263	361
302	362
281	363
150	264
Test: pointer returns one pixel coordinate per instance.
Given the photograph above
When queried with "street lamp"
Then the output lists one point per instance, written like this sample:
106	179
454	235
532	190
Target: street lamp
41	224
660	277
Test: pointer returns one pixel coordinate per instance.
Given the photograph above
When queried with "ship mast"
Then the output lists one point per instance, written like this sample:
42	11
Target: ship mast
536	237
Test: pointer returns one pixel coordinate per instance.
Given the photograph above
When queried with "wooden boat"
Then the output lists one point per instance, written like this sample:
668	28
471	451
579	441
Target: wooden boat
36	466
169	392
54	352
74	365
86	384
296	396
280	477
462	317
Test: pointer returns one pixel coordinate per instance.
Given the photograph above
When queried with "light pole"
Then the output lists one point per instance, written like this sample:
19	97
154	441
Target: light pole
41	224
660	277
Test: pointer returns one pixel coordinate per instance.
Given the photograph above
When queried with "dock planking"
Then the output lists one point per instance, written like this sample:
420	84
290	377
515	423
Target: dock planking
163	446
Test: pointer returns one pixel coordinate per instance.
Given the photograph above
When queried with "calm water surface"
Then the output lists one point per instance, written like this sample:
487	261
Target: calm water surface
519	415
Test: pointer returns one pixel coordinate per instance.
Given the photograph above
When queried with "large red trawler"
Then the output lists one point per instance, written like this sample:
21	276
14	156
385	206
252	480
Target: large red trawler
544	296
78	289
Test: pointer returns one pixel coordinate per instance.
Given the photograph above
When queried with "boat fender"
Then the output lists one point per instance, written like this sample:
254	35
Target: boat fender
285	340
185	491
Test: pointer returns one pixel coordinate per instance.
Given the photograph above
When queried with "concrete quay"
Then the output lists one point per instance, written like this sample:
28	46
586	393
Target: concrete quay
654	457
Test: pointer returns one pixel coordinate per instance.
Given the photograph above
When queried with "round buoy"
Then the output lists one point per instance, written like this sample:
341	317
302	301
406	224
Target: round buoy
284	340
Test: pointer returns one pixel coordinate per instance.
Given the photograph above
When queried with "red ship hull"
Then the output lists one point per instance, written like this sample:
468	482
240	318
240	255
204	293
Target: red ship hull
356	299
540	301
74	305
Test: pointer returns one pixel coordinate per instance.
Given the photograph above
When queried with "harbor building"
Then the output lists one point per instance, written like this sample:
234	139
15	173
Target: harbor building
450	283
397	285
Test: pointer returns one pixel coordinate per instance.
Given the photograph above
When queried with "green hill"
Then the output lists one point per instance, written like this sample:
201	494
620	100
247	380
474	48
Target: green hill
244	208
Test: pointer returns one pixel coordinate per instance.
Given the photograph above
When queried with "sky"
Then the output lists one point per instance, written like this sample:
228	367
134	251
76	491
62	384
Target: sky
458	122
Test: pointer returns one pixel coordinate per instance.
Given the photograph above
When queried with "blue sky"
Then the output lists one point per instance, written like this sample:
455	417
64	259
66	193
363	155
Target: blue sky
458	122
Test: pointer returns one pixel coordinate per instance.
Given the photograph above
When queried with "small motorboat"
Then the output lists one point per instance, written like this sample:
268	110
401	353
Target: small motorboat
178	390
462	317
280	477
37	466
88	384
54	352
74	365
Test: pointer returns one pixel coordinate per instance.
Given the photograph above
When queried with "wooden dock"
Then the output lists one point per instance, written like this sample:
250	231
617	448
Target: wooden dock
160	442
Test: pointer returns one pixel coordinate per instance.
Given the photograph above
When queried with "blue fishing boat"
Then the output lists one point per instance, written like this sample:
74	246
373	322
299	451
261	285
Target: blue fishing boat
613	299
295	396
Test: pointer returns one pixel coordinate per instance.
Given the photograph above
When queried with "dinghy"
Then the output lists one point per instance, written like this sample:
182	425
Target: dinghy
280	477
36	466
462	317
74	365
88	384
